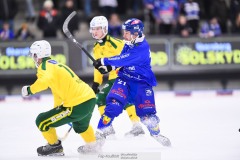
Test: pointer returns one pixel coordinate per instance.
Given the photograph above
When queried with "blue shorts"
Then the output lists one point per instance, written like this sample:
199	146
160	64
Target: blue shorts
138	93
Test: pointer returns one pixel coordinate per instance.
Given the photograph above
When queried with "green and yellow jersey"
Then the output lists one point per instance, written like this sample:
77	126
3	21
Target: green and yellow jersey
67	89
108	48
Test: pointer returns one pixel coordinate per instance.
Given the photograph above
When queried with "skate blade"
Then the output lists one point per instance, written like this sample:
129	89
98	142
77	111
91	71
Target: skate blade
134	135
111	137
90	152
53	154
167	144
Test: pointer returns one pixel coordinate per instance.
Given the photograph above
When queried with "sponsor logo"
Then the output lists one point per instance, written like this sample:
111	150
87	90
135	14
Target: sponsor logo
132	68
60	116
135	21
106	85
106	120
120	89
119	93
147	101
115	102
147	104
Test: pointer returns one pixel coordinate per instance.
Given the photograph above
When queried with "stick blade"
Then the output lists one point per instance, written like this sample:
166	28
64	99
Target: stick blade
66	22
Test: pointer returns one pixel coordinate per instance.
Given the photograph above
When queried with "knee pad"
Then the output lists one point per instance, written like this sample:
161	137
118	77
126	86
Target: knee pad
152	123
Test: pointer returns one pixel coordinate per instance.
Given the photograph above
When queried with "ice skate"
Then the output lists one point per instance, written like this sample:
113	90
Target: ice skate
100	138
51	150
89	148
93	147
163	140
135	131
108	131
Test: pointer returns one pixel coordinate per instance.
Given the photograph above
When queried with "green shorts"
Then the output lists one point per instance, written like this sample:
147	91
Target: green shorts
80	116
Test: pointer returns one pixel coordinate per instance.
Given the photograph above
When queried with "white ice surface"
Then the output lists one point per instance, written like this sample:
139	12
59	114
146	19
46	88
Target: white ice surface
201	127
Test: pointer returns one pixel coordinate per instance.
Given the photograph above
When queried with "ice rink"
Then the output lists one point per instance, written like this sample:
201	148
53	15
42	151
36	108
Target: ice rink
203	126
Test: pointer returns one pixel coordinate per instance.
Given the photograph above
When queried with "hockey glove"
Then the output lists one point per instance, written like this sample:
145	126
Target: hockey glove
95	86
97	63
105	69
26	91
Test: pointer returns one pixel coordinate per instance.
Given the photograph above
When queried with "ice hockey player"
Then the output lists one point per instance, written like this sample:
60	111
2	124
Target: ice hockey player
135	81
74	102
108	46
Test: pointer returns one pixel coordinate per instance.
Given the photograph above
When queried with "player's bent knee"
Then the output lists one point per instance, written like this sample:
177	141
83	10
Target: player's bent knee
40	118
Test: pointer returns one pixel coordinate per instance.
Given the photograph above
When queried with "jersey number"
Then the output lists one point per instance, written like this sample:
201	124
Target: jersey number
121	82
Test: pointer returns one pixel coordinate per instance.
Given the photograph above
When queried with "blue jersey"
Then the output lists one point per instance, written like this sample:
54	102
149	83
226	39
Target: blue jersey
135	63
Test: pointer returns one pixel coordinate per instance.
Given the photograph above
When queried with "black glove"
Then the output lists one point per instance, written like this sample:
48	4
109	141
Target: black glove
97	63
95	86
105	69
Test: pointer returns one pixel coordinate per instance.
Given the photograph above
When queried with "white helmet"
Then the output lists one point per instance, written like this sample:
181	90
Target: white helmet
99	21
39	50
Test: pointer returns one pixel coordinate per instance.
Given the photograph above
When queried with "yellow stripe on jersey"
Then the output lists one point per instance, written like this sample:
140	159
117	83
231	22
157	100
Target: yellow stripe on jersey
67	89
108	48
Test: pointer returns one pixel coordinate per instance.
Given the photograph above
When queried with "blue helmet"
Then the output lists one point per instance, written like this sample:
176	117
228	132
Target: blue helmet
134	25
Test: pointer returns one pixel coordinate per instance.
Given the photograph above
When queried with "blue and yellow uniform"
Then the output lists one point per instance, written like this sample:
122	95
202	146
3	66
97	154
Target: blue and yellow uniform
109	47
74	100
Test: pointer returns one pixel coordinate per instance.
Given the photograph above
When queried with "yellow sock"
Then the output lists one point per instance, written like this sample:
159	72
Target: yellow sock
50	136
88	136
101	109
132	114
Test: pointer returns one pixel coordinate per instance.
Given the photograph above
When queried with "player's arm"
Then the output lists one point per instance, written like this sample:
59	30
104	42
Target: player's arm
97	81
125	58
97	76
39	85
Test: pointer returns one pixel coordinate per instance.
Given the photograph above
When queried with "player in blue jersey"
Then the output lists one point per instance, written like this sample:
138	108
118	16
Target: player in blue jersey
135	81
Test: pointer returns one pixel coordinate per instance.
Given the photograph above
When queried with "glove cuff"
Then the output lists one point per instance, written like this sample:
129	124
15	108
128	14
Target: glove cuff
95	84
102	61
29	90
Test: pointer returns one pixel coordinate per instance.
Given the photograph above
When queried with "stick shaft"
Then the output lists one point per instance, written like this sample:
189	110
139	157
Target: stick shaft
70	36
